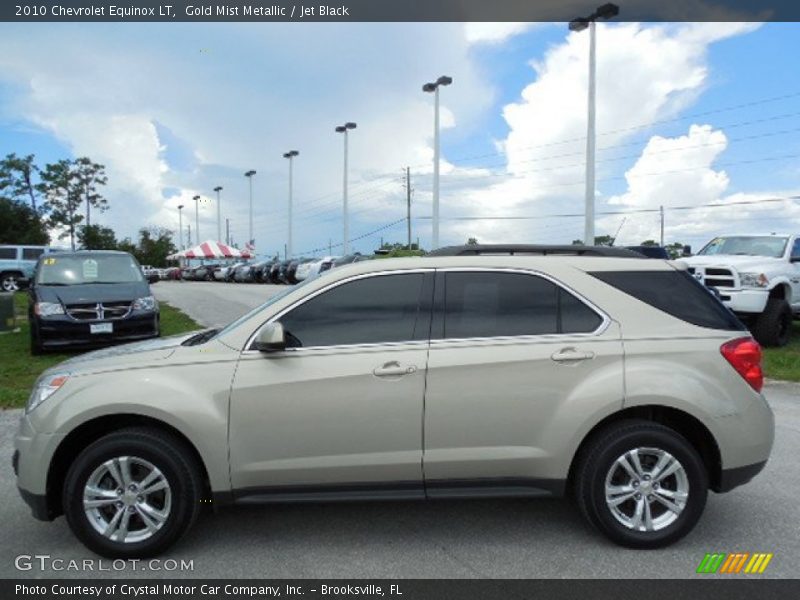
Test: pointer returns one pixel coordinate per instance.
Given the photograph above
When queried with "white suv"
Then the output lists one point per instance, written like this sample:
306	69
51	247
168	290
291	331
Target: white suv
757	277
619	381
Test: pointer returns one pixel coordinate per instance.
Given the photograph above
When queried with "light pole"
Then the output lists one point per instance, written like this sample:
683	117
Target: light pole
218	189
249	176
434	87
344	129
290	155
180	226
197	217
605	12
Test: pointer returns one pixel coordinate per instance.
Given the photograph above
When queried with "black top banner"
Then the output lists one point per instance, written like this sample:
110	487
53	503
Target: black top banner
392	10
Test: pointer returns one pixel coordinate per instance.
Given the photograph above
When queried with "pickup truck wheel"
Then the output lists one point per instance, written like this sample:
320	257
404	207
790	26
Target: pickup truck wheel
132	493
773	327
9	282
641	484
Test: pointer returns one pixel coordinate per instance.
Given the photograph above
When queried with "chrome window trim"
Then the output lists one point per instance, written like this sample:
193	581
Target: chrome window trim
247	347
604	324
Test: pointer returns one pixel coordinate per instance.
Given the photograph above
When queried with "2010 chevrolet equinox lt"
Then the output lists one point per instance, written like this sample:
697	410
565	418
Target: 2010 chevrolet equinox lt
621	382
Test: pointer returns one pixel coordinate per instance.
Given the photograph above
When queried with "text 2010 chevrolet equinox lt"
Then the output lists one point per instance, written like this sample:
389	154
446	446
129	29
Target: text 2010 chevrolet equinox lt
619	381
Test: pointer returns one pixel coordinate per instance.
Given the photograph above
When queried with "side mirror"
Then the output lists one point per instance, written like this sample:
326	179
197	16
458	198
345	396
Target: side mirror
271	338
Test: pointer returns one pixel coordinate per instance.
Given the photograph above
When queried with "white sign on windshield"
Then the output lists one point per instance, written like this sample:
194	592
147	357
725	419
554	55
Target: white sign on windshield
90	269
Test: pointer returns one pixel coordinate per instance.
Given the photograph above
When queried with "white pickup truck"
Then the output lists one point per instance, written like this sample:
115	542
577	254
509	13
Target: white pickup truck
757	277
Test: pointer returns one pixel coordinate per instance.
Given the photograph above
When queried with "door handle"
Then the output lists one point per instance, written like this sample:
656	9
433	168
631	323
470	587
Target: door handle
393	369
571	355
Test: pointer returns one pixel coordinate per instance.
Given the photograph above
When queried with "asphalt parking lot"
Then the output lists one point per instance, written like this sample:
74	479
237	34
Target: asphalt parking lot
450	539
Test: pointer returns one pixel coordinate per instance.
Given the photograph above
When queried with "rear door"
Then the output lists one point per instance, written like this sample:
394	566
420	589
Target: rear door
516	362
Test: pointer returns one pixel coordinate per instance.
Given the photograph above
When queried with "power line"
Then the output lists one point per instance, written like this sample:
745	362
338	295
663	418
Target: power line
355	239
621	212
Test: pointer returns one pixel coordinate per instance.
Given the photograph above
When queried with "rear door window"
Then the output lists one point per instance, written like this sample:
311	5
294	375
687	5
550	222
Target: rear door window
484	304
32	253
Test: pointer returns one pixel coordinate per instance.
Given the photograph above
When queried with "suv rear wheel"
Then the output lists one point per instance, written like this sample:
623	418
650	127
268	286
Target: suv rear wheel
132	493
641	484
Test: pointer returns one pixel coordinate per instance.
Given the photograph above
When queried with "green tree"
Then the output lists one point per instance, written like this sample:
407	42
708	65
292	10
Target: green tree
472	241
155	244
20	224
58	187
649	243
604	240
96	237
675	249
126	245
16	178
87	177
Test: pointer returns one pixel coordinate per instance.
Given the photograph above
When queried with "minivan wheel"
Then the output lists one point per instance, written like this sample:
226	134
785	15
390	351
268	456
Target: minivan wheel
132	493
642	484
773	327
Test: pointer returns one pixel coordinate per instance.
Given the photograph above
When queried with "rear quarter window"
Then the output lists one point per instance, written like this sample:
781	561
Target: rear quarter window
676	293
8	253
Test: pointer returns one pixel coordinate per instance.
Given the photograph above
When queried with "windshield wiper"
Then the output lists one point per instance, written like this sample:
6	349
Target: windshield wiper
200	338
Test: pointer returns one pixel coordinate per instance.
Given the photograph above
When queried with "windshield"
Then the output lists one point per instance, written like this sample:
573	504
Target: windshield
746	245
77	270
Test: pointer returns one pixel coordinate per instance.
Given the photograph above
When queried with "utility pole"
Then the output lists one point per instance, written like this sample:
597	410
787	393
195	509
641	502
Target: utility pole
188	236
434	87
605	12
249	176
661	210
330	247
197	217
408	204
346	215
180	226
227	232
218	189
290	155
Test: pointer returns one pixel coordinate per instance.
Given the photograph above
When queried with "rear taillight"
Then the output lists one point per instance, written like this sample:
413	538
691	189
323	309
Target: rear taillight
744	354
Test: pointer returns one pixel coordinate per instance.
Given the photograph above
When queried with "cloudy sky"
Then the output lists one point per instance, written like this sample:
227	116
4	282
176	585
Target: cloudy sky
688	115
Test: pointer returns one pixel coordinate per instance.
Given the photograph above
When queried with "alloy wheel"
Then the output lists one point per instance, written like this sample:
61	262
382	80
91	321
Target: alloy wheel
127	499
646	489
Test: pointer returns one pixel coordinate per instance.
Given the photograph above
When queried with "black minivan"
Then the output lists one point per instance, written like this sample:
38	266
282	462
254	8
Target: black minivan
89	298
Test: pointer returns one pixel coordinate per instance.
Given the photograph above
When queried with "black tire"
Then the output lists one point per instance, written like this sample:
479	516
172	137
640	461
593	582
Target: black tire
773	327
599	457
178	467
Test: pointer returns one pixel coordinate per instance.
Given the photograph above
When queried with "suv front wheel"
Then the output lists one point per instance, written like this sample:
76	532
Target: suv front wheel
132	493
642	484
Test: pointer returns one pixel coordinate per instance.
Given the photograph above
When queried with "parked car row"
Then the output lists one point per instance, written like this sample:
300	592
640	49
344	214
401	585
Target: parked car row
274	271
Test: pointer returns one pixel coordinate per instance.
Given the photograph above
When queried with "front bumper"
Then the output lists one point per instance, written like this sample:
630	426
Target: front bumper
744	301
33	453
63	331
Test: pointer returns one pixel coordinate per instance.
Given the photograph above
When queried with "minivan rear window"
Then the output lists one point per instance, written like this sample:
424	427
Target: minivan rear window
676	293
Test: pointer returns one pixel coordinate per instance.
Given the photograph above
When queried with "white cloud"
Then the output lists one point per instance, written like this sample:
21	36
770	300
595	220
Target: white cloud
644	74
495	33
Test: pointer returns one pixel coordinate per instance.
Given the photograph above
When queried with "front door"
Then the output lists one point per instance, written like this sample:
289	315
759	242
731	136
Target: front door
340	411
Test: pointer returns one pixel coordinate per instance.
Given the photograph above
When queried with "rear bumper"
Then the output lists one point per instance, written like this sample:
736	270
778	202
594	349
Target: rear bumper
733	478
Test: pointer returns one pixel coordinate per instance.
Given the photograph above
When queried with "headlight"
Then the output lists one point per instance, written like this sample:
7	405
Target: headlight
48	309
146	303
44	388
758	280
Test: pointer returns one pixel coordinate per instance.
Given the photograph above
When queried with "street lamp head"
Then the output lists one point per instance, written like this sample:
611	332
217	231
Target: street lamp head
291	154
607	11
444	80
429	87
578	24
340	129
350	125
218	188
250	173
180	206
196	198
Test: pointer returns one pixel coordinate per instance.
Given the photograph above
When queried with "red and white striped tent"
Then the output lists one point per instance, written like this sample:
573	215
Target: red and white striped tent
212	249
